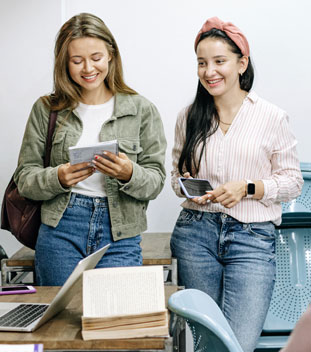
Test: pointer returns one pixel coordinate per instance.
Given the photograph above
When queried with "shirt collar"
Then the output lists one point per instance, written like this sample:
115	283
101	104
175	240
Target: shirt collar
252	96
123	106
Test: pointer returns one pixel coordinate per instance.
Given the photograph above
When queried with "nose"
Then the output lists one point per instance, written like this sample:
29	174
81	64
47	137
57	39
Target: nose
87	66
209	71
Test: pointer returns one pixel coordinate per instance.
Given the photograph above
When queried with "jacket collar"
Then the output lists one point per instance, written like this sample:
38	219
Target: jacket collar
124	105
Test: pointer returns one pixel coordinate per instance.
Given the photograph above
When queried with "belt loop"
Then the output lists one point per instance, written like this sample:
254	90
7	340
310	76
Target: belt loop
72	199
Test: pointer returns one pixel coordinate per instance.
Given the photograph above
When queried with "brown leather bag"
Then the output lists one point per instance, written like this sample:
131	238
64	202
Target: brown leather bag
22	216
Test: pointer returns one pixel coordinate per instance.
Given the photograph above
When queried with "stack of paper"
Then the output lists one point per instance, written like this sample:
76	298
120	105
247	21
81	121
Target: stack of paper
124	302
86	154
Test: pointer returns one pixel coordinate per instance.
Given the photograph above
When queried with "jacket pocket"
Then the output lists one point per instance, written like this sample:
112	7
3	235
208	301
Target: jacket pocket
60	148
131	147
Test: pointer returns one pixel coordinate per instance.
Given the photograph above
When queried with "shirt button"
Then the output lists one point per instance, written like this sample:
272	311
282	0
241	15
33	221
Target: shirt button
97	200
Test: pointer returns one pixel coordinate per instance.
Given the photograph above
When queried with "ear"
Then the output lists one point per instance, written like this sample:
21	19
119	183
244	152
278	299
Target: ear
243	64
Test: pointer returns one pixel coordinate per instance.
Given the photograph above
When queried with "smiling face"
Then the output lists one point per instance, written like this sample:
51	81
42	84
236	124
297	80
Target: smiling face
88	66
219	67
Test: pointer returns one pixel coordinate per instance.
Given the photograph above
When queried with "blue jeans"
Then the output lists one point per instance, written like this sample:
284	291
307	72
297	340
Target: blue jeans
231	261
84	228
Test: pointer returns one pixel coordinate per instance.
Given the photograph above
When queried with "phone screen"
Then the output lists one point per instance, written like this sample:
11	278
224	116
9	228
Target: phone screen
196	187
13	288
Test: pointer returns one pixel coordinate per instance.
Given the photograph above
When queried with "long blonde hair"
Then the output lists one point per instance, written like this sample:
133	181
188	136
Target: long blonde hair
67	93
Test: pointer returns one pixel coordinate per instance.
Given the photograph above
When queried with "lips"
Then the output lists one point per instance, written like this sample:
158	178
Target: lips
214	81
90	78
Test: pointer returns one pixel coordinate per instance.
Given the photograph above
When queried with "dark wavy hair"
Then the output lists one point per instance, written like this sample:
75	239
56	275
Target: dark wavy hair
202	115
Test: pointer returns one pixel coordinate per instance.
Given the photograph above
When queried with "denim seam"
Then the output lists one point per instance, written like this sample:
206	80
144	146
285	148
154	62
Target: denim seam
223	303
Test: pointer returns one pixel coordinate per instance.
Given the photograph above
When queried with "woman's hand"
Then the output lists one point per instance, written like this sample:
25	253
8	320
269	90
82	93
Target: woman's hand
118	166
187	175
69	175
228	194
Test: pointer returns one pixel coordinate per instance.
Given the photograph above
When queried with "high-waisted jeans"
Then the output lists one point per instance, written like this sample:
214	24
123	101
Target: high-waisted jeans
231	261
84	228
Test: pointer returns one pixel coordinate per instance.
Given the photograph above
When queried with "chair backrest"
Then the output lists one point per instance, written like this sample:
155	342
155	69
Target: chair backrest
292	291
297	213
210	329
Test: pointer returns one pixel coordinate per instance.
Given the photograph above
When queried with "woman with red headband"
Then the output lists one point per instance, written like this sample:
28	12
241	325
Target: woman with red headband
242	144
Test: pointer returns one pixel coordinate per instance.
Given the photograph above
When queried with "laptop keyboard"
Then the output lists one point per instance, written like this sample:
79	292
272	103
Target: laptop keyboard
23	315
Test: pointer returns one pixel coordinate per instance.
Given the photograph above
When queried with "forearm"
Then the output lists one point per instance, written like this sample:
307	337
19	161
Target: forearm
38	183
146	182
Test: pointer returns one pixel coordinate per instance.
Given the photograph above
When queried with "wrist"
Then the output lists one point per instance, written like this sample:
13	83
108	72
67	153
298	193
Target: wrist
250	189
245	189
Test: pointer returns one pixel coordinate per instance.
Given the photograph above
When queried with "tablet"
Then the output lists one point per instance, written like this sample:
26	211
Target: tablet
194	187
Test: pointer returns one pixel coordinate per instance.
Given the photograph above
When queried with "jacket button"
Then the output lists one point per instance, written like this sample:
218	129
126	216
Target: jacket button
115	204
119	234
126	188
134	147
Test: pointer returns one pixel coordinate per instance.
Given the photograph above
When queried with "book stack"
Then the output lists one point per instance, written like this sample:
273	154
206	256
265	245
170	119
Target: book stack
124	302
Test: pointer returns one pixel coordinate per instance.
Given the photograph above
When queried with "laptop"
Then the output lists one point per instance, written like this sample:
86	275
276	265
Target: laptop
27	317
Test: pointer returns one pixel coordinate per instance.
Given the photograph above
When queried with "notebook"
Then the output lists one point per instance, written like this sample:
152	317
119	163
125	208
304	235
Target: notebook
28	317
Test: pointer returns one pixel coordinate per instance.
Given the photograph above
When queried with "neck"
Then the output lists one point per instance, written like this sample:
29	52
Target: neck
96	97
226	102
227	107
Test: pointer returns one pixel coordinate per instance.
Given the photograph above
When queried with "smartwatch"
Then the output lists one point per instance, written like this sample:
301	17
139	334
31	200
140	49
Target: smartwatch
250	189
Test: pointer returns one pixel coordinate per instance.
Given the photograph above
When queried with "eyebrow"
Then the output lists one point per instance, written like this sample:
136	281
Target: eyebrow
97	53
214	57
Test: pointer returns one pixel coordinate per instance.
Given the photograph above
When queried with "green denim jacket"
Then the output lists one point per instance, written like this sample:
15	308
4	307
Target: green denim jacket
137	126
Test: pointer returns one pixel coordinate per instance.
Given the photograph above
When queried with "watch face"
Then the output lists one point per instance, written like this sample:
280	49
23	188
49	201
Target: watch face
251	188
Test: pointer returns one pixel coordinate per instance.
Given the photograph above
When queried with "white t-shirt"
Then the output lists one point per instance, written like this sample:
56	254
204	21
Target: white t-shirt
92	117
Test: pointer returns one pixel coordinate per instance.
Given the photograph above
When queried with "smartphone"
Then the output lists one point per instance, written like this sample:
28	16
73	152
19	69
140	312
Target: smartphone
14	290
194	187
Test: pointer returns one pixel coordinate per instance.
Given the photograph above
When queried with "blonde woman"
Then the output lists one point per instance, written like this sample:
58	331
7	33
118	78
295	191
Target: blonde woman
84	210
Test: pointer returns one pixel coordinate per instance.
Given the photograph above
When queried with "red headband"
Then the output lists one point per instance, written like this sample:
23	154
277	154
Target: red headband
229	28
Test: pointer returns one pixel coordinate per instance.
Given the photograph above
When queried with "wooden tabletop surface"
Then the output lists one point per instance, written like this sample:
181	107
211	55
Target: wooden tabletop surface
64	330
155	251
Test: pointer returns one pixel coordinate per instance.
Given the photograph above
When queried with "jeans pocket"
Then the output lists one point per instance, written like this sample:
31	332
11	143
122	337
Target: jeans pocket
186	217
263	230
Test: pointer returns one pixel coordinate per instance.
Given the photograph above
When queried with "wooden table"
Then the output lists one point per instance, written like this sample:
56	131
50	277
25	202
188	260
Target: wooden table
63	332
155	251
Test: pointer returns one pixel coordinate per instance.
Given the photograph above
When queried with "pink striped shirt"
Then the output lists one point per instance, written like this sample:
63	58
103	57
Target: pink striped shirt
257	146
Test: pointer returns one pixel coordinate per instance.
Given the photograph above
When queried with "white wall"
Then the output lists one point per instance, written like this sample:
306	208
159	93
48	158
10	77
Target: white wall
155	38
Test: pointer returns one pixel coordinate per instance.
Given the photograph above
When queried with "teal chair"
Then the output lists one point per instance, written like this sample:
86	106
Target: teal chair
210	329
292	291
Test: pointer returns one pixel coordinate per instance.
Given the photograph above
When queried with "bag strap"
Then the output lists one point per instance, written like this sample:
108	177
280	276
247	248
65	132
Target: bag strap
48	146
